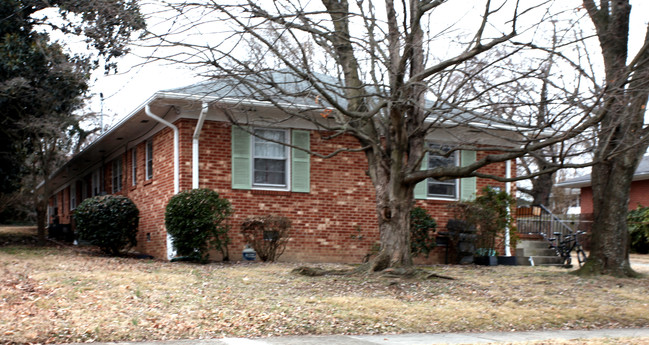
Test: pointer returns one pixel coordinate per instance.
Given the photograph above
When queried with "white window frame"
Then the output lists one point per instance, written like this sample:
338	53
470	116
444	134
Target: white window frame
96	182
287	161
456	182
134	166
73	195
118	174
148	168
84	189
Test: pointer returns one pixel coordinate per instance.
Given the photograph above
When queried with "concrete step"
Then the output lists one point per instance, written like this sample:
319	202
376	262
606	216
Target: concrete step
540	252
533	244
538	260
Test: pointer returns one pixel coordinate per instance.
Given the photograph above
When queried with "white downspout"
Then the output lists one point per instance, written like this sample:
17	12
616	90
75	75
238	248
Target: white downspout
195	138
508	189
171	252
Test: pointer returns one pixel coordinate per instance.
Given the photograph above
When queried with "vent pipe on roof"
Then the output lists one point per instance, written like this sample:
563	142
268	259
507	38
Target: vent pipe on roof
195	138
171	251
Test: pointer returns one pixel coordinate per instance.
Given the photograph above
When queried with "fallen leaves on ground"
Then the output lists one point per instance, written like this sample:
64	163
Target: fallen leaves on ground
59	295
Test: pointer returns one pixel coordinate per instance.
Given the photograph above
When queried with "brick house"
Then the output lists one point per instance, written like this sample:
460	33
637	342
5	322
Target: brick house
183	138
639	193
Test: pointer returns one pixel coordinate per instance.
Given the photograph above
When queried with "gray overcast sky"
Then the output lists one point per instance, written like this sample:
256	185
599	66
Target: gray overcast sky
136	82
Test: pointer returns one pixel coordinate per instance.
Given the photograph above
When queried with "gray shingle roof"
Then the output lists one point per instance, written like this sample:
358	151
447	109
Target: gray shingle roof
296	91
274	86
641	173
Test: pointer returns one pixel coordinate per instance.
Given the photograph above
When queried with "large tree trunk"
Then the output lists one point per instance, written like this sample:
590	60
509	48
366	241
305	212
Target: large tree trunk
41	221
393	211
620	139
40	203
610	237
394	200
542	188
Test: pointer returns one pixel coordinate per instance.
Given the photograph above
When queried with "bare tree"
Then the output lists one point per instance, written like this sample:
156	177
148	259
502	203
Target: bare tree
50	142
378	75
621	139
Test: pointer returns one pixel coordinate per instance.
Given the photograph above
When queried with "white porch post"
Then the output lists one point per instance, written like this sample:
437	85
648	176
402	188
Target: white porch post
508	189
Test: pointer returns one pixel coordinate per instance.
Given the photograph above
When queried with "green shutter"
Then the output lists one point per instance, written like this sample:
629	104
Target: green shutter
240	159
421	187
300	165
468	184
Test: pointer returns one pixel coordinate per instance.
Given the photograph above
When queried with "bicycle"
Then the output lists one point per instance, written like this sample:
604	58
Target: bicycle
564	246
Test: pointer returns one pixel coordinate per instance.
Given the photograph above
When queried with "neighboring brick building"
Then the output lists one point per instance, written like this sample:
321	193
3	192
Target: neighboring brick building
639	193
330	201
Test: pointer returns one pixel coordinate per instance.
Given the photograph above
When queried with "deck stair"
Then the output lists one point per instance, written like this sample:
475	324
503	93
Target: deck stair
537	253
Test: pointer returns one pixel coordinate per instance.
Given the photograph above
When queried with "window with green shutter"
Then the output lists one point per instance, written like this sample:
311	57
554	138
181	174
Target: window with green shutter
447	189
240	159
468	184
264	161
300	177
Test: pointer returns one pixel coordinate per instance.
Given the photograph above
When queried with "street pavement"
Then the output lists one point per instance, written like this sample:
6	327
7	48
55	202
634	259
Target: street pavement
413	339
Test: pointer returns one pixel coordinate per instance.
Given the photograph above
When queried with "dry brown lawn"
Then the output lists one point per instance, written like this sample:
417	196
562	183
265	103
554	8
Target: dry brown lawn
64	294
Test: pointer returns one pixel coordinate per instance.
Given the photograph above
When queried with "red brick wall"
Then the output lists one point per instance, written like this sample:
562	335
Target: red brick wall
151	196
586	200
639	194
335	222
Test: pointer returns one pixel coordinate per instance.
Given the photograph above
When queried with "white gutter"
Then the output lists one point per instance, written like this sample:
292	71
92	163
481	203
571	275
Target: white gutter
195	138
508	189
171	252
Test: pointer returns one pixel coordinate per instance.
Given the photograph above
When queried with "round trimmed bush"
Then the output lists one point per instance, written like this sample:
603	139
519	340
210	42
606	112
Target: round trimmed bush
109	222
195	221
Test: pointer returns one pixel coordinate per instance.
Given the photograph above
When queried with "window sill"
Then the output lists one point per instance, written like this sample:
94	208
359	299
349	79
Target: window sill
270	192
437	198
148	182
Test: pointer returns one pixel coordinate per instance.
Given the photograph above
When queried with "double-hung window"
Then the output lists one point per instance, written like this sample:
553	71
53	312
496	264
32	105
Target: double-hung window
84	188
96	182
447	189
133	166
270	158
117	174
149	160
73	195
454	189
263	159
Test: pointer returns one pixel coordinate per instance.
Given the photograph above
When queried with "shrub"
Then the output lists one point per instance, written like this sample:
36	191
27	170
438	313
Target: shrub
267	235
491	216
422	230
109	222
195	220
638	223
